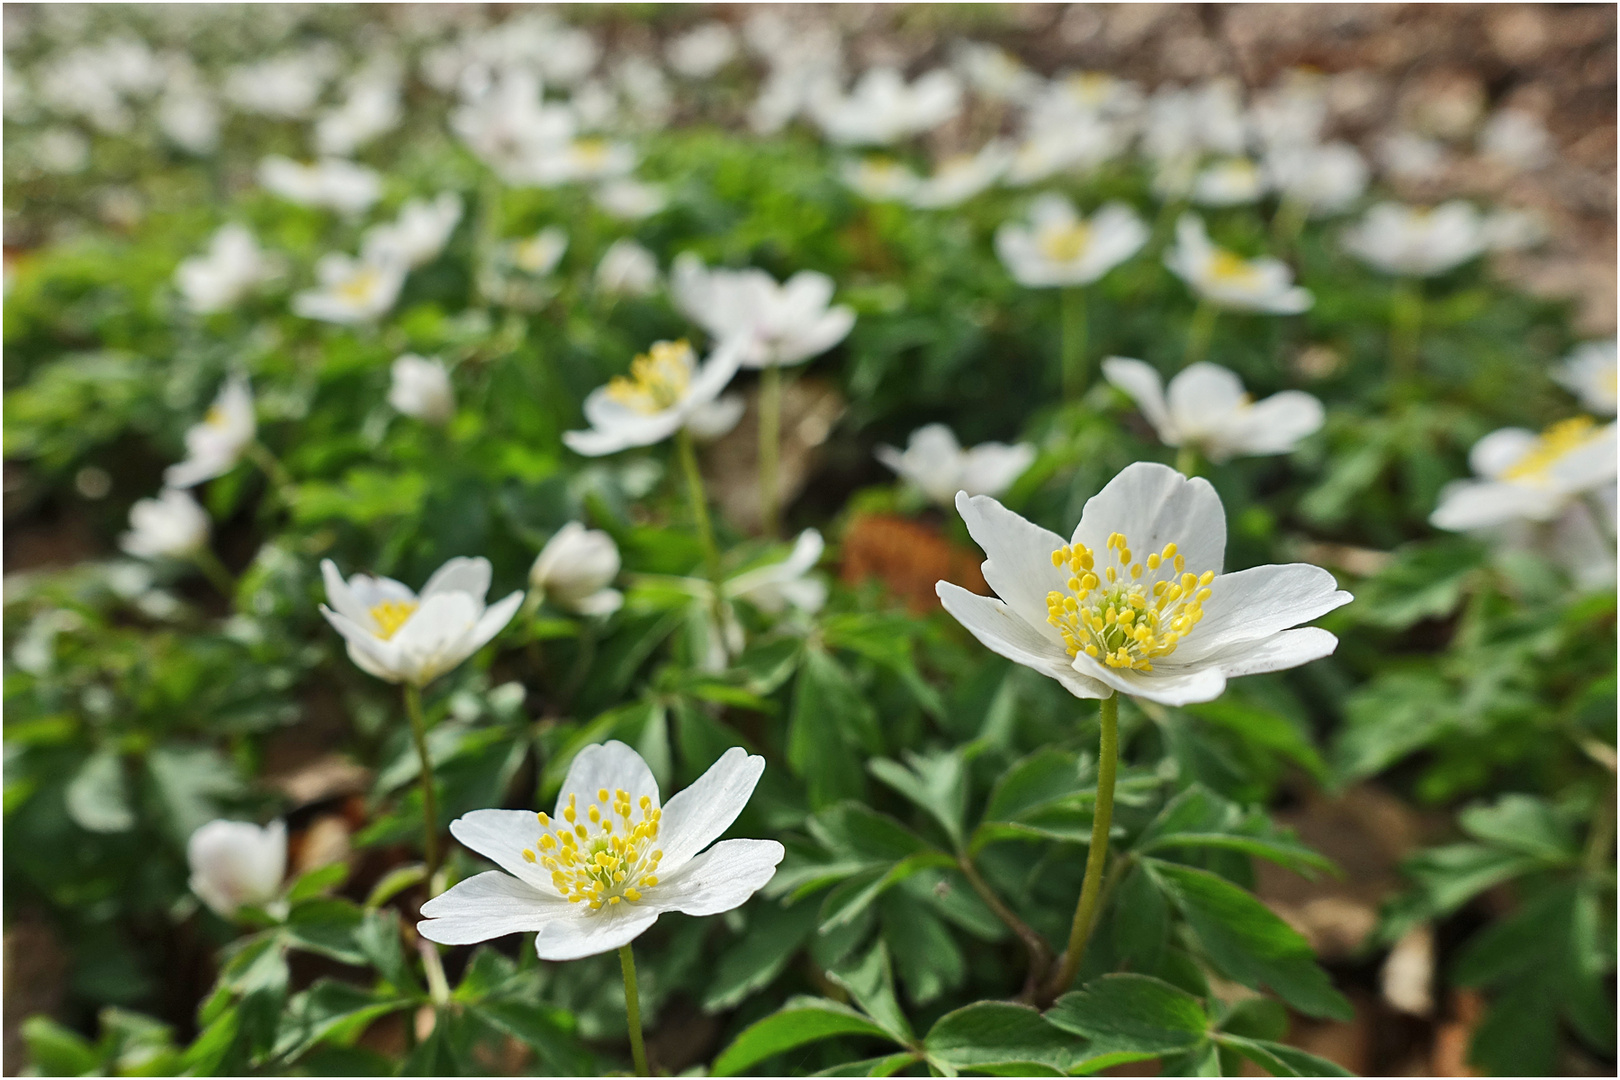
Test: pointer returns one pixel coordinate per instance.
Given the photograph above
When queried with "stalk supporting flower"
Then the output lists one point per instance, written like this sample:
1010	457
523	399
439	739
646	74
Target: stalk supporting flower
700	504
216	573
1085	911
1075	371
1199	332
1405	326
1187	461
770	446
430	801
632	1009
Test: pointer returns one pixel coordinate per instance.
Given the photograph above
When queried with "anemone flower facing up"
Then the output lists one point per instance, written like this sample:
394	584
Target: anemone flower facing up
352	291
1226	281
935	463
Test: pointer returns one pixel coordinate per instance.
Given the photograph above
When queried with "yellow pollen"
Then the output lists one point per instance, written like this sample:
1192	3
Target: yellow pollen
1138	616
601	861
215	417
1225	266
359	285
1064	243
390	615
1560	439
658	378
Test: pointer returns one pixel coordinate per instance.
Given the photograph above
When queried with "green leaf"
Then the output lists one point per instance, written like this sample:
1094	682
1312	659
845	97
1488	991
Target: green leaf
205	1056
1247	942
870	982
1525	824
1039	780
326	927
1265	729
192	781
753	962
926	956
549	1031
98	795
828	720
1391	717
1279	1059
395	882
1130	1018
329	1008
802	1020
851	898
54	1050
378	940
887	1065
1200	818
937	783
1450	876
318	881
989	1034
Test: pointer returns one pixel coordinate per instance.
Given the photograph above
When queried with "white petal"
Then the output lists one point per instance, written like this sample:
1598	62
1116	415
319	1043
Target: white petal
490	905
601	602
1256	603
1005	634
696	816
1166	687
494	620
378	660
1275	425
1202	396
464	575
722	878
582	932
501	836
339	595
610	766
1019	564
1479	504
1154	505
1289	649
1144	386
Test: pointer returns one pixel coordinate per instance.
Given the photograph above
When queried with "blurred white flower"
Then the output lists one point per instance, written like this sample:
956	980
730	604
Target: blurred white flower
1080	143
958	179
627	269
994	73
1414	241
1230	281
774	324
1530	477
506	123
214	446
1206	408
1187	123
596	874
1515	138
188	113
1231	181
1511	229
170	526
714	420
1324	179
59	150
631	200
880	179
233	267
576	569
575	161
418	235
665	389
1589	374
883	108
421	388
702	50
937	465
540	253
401	637
1164	623
776	587
332	183
1292	114
645	89
350	290
286	86
1406	155
1058	247
234	863
371	109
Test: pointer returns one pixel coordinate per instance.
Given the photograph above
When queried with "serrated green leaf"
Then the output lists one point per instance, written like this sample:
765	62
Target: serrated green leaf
800	1021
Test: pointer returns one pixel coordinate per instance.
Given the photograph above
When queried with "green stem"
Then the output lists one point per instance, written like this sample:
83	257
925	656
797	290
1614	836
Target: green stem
1085	912
430	802
700	505
1073	302
1187	460
274	471
1405	327
770	445
632	1009
1287	223
1040	954
214	570
1200	331
1601	841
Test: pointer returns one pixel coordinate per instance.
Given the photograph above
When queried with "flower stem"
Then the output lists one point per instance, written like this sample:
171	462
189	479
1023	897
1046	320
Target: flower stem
632	1009
214	570
1085	912
700	504
1405	327
770	445
1073	303
1287	223
1187	460
1040	954
1601	840
1200	331
280	479
430	802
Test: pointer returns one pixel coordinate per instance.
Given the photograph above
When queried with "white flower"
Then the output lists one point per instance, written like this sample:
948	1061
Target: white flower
169	526
421	388
1528	477
214	446
1416	242
880	179
995	73
1081	142
703	50
576	569
1323	179
331	183
232	268
286	86
627	269
1059	247
665	390
190	118
351	290
235	863
1229	281
372	108
418	235
776	587
1207	408
882	108
775	324
937	465
958	179
1228	182
1188	122
1293	114
506	123
1406	155
1159	622
1589	374
540	253
60	150
631	200
401	637
597	873
1511	229
574	161
1516	138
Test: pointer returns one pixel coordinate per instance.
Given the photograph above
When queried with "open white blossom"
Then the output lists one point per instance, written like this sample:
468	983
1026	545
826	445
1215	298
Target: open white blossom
332	183
1589	374
1185	123
214	446
1206	408
936	464
576	568
627	269
507	124
234	863
421	388
597	872
1136	602
538	254
1528	477
1416	242
702	50
776	587
1232	181
1230	281
417	236
958	179
1080	144
351	290
188	114
995	73
169	526
774	324
233	267
883	108
1058	247
371	109
631	200
402	637
1323	179
286	86
1406	155
666	390
880	179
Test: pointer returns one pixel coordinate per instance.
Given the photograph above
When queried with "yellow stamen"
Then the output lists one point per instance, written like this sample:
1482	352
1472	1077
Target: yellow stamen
658	379
1136	617
390	615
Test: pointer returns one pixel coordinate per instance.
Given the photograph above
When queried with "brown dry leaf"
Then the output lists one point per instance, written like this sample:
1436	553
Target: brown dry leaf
324	843
323	778
1407	977
909	558
1452	1038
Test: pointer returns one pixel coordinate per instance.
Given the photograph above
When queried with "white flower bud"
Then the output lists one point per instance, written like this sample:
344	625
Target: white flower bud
235	863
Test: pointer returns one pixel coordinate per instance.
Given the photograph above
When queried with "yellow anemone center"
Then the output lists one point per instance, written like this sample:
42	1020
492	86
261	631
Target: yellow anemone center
1558	440
590	152
1225	266
360	285
596	860
658	378
215	417
1129	615
532	254
1065	243
390	615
